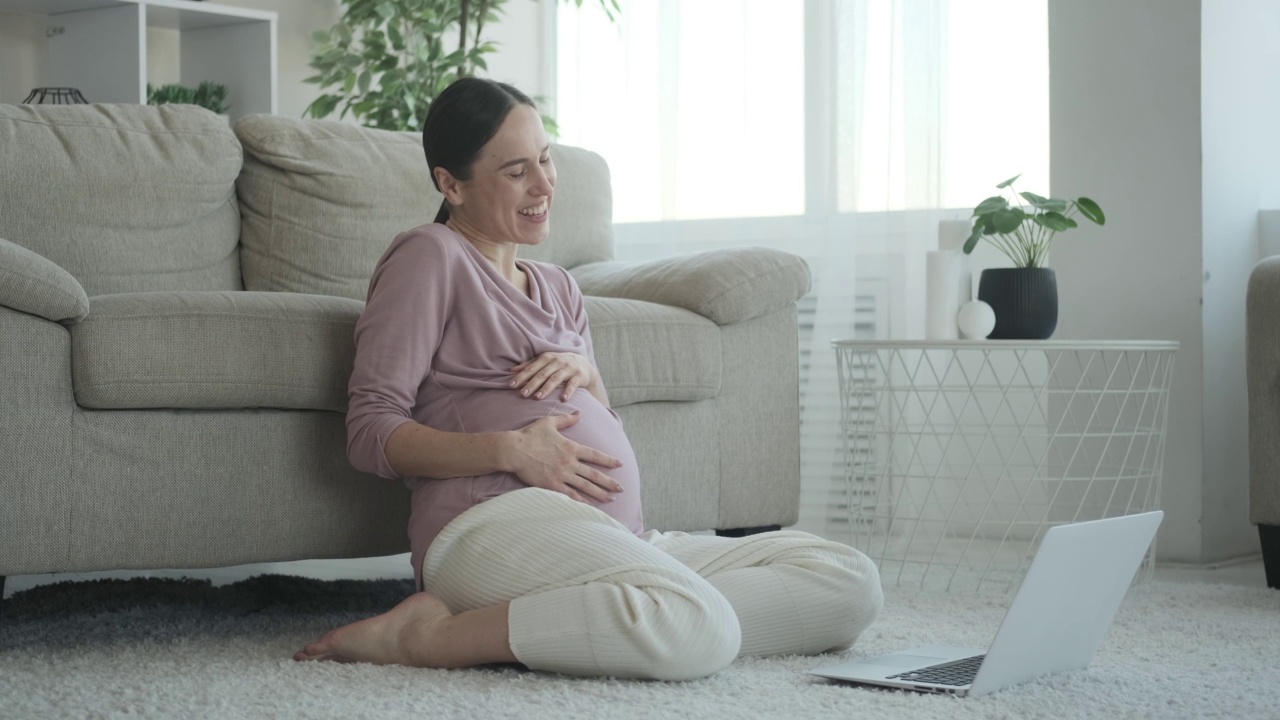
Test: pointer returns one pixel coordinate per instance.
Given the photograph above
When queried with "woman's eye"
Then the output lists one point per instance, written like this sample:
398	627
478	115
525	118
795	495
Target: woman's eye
518	175
545	160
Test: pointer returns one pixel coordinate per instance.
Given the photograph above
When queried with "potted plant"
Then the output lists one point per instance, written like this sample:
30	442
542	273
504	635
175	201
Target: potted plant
385	60
1024	297
208	95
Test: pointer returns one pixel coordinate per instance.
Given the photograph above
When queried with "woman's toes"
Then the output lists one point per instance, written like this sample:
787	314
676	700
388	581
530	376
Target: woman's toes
313	651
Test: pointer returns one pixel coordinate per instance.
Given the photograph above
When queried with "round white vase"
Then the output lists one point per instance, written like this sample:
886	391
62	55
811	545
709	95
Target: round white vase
976	320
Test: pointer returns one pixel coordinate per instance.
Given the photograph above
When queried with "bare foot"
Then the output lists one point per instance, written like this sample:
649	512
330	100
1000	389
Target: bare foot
405	635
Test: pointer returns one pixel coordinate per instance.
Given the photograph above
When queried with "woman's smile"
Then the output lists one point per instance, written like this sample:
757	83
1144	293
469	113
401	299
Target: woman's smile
537	213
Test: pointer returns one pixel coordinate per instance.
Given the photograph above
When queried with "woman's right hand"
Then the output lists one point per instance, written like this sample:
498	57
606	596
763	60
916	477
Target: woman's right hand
544	458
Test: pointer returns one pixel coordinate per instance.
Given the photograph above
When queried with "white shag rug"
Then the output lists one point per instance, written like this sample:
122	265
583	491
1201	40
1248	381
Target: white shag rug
158	648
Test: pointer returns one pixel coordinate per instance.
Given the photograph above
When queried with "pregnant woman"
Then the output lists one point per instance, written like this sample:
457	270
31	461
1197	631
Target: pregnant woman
475	381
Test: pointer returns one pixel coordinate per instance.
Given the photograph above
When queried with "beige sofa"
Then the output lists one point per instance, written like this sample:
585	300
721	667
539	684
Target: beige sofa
1262	367
177	302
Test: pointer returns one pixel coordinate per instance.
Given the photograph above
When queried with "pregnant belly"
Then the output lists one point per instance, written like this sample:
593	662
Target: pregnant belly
598	427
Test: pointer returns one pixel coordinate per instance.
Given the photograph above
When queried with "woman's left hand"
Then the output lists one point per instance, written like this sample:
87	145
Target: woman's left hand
538	377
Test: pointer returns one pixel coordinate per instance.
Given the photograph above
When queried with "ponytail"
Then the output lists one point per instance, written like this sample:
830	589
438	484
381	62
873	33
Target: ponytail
443	216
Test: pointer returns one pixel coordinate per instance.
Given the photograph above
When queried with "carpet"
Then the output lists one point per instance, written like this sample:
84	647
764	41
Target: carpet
167	648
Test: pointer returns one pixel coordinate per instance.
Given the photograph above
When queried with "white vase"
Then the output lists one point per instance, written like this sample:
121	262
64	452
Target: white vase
948	286
976	320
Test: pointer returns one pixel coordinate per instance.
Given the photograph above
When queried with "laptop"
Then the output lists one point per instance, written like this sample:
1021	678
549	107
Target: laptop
1056	622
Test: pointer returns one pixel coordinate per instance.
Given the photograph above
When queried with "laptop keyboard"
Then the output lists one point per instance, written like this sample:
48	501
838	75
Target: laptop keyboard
959	672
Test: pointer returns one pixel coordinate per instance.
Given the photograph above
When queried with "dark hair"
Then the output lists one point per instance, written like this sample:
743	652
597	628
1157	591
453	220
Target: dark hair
461	119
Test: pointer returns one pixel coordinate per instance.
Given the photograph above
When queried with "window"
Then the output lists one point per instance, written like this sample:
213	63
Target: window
701	111
697	106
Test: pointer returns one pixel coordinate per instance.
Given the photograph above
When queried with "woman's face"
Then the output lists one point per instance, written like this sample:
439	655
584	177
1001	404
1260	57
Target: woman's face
508	197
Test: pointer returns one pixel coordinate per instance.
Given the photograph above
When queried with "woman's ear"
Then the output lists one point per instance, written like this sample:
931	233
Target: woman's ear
450	186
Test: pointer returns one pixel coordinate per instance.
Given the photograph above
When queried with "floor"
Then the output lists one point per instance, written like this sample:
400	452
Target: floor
1248	571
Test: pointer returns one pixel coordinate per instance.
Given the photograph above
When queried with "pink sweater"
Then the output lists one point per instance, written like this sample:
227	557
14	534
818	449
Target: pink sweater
435	343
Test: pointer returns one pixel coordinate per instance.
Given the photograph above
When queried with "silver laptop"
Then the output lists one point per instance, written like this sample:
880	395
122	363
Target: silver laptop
1056	622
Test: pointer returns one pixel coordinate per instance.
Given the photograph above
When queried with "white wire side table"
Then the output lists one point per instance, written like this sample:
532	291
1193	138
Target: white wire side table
960	455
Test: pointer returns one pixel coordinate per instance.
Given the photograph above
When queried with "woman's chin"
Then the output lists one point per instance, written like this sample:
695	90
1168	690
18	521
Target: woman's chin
534	238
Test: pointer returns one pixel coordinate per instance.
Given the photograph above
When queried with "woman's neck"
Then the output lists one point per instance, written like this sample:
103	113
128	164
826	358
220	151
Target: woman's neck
502	254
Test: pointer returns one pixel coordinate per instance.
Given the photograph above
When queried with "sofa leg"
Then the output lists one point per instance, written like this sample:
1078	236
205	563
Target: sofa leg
743	532
1270	535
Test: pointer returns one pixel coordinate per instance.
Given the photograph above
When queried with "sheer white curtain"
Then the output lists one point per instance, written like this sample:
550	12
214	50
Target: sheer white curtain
841	130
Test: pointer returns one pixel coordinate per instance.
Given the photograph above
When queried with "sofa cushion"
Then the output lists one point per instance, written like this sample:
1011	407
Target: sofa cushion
225	350
648	352
212	350
34	285
126	198
729	286
322	200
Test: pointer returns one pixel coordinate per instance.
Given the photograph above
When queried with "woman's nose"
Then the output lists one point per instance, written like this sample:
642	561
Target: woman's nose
545	181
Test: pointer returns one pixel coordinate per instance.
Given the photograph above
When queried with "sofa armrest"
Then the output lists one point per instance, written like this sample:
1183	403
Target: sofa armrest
725	286
1262	371
32	284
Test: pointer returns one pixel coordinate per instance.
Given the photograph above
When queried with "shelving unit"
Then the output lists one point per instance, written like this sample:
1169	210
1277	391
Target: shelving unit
100	47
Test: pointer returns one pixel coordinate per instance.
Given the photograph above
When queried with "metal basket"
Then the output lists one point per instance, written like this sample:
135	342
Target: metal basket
960	455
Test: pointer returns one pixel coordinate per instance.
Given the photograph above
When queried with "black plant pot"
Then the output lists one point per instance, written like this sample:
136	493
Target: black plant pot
1025	301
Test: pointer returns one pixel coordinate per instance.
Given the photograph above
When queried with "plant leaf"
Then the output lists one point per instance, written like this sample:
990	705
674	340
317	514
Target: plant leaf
1007	221
1054	221
974	237
1009	182
1090	209
991	205
1043	203
342	34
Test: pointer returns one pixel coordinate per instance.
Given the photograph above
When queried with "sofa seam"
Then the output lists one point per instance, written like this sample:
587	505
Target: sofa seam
191	316
645	386
126	128
148	382
265	139
744	281
641	323
75	454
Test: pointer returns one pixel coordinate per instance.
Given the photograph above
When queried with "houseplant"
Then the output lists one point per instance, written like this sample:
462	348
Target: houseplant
208	95
1024	297
385	60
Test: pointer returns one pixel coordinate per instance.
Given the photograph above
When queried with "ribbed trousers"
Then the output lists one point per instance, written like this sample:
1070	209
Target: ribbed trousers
588	597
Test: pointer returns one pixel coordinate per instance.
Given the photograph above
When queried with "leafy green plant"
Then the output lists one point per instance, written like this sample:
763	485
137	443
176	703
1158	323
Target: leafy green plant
208	95
384	61
1025	236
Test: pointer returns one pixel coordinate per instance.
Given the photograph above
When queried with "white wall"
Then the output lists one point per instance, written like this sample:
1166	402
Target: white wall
23	55
1239	113
526	48
1124	119
297	20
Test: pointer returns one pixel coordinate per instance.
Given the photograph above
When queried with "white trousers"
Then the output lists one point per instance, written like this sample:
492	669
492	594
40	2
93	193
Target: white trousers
588	597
